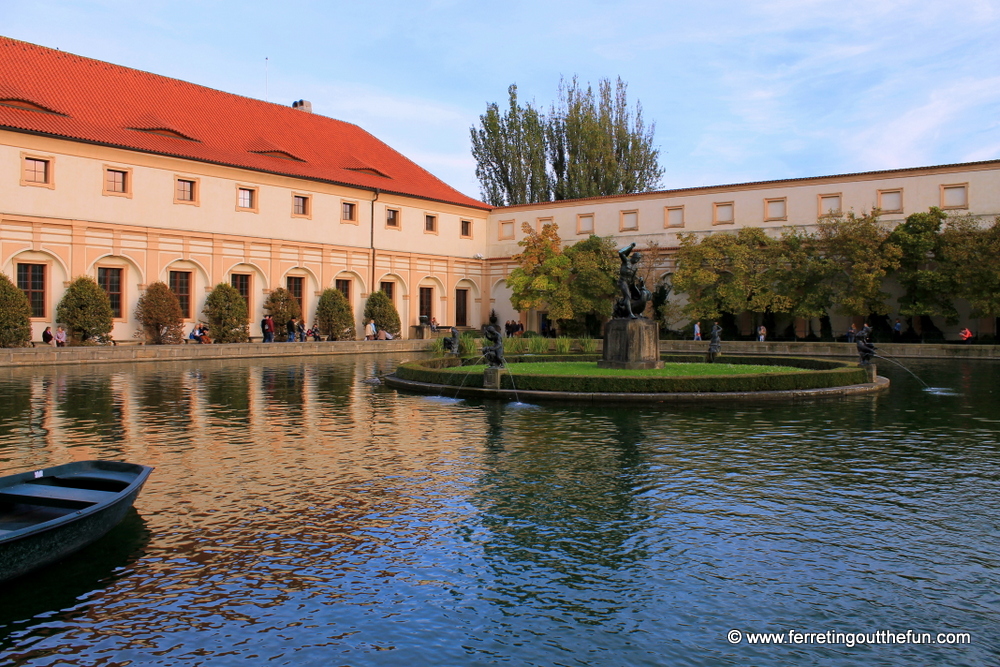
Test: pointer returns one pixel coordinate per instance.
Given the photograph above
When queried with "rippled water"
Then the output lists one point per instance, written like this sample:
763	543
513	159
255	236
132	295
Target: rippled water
301	516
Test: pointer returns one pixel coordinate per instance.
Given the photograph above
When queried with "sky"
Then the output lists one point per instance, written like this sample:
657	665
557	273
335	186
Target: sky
739	91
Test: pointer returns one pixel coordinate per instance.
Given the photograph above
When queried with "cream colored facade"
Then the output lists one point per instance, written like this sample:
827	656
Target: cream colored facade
773	205
73	225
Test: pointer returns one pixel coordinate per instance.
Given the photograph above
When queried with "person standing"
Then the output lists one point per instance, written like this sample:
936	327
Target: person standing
370	330
290	331
761	333
897	330
697	330
267	329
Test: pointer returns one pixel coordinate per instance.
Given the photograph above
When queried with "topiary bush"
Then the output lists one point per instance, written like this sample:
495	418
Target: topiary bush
379	308
226	311
159	314
15	315
85	309
336	320
282	306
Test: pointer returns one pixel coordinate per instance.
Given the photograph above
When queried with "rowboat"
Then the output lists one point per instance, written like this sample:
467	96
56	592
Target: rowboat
48	514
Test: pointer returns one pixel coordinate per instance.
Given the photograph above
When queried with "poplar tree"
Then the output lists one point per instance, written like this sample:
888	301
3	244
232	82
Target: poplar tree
589	144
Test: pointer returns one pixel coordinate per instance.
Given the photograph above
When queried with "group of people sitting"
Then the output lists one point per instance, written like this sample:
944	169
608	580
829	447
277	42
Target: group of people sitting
372	332
200	333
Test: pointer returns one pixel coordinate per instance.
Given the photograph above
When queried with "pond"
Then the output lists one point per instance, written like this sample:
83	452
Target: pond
300	515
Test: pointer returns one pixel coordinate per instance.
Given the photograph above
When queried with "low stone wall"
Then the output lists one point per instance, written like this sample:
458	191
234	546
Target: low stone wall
901	350
116	354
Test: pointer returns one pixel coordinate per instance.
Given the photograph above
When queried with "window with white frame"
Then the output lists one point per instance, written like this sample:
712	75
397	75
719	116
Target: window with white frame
628	221
673	216
722	213
890	201
829	204
585	223
506	230
776	209
955	196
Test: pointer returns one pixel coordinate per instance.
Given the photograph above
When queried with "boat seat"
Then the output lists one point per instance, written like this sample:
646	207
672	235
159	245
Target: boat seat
42	494
100	475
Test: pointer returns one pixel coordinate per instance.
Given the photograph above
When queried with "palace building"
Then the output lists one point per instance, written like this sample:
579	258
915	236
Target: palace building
132	178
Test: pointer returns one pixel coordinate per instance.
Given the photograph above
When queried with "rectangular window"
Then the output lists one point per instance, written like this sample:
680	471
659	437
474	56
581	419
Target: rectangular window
467	229
349	211
541	222
426	297
955	196
775	209
344	286
246	199
118	182
389	288
392	218
111	281
506	230
722	213
300	206
294	285
36	171
461	307
890	201
829	205
31	279
185	190
180	285
628	221
241	281
585	223
431	224
673	216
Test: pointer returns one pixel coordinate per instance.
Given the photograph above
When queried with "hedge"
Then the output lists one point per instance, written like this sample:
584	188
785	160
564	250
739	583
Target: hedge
823	373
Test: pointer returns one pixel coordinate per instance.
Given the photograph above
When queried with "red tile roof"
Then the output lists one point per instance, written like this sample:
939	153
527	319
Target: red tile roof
96	102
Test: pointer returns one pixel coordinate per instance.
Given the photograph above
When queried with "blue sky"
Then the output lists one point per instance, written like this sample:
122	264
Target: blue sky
739	91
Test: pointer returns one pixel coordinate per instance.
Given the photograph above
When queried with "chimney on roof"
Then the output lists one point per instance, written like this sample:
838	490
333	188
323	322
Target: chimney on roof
303	105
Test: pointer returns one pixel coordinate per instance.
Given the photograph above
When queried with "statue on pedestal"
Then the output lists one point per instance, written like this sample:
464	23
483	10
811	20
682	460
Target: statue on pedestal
451	343
866	349
634	294
714	345
493	349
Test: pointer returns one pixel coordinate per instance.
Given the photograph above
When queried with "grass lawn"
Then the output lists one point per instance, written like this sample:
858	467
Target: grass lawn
589	368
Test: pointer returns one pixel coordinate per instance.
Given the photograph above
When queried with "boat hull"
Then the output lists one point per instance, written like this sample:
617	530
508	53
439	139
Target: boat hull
70	528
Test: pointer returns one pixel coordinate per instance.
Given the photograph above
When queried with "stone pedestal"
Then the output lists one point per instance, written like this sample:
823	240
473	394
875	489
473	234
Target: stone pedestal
872	372
492	377
631	344
421	331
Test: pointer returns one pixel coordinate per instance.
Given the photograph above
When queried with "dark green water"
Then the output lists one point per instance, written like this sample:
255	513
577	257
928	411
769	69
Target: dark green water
299	516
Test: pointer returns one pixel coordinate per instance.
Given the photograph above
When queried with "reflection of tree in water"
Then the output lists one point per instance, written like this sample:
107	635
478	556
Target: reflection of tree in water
284	386
560	496
334	385
15	402
228	394
164	396
89	405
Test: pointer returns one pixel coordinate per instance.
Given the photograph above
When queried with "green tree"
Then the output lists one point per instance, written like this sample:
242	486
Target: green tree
227	315
593	267
159	314
336	320
729	273
804	275
969	260
862	258
15	315
282	306
379	307
927	291
510	154
541	277
85	309
589	144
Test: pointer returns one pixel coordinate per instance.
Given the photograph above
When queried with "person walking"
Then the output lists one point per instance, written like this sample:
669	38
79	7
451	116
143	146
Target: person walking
761	333
697	330
267	329
290	331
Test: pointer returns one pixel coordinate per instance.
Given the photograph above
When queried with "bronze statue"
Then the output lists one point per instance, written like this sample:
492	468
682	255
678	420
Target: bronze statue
714	345
451	343
634	294
866	349
493	349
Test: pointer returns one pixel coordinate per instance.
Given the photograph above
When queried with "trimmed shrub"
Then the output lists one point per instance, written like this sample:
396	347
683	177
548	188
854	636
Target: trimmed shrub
379	308
336	321
159	314
15	315
282	306
228	319
85	309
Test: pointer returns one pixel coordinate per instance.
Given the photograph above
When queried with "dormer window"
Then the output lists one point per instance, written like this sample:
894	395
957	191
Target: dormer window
28	106
163	132
281	155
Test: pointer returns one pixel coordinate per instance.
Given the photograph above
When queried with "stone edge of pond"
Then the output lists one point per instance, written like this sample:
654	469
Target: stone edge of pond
880	384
